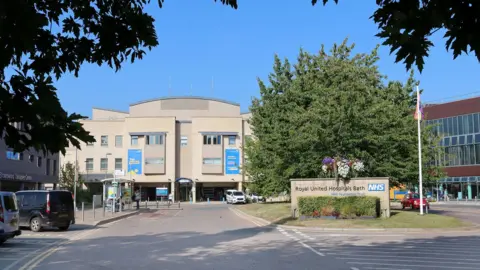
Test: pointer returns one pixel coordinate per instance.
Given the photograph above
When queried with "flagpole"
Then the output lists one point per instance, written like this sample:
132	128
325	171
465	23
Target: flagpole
419	134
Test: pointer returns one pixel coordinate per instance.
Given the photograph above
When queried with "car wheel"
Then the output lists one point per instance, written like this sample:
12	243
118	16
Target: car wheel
35	225
412	207
403	206
64	228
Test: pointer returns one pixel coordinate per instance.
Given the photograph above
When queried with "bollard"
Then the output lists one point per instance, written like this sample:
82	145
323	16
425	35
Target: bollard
93	209
208	200
426	209
103	211
157	204
83	211
146	204
179	204
223	199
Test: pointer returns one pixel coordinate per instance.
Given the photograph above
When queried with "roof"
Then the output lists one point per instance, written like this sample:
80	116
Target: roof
185	97
110	110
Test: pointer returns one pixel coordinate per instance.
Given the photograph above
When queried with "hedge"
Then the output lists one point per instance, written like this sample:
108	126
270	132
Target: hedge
347	207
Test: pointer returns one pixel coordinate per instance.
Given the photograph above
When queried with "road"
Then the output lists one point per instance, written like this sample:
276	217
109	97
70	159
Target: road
214	237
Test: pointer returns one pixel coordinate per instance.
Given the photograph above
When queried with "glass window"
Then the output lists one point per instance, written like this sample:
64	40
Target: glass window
477	153
156	139
47	167
212	161
10	202
39	161
118	141
31	158
446	141
466	160
118	164
212	139
462	139
445	127
14	156
104	140
461	129
466	127
103	164
469	139
154	161
472	154
475	123
470	123
134	140
89	164
184	141
477	138
54	167
450	126
454	140
455	126
231	140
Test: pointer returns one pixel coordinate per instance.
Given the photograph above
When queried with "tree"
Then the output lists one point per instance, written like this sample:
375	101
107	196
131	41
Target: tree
67	176
332	104
42	40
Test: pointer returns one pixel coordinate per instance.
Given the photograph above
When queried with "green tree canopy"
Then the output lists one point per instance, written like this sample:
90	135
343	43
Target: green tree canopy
333	104
67	176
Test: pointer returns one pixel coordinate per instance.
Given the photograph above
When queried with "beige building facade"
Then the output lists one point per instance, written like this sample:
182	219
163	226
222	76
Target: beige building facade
190	145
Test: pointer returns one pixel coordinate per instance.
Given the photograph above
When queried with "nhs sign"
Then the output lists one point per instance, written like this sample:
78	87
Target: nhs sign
376	187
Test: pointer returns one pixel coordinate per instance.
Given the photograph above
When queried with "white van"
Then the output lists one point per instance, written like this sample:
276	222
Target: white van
9	216
235	196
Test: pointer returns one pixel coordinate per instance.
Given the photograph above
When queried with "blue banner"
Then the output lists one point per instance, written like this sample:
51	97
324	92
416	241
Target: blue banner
232	161
134	161
161	192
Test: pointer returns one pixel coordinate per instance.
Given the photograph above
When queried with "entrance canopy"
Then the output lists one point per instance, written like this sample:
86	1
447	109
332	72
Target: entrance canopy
118	180
183	180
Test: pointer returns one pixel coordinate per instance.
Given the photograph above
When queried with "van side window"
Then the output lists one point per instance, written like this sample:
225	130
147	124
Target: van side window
40	199
28	199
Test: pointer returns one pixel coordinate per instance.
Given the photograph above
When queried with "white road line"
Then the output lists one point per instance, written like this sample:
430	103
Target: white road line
407	257
383	268
312	249
364	248
409	265
412	260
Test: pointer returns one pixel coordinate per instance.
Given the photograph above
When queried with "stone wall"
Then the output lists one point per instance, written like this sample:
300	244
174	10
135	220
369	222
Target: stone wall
372	186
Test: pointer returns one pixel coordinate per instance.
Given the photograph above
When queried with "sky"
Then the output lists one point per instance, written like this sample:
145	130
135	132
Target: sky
200	40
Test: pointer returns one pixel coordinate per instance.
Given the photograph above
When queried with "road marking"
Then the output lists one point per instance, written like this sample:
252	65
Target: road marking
410	265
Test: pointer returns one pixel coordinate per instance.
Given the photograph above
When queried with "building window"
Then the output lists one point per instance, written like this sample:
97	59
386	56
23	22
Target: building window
47	167
118	164
212	139
54	167
39	161
31	158
118	141
212	161
231	140
134	140
154	139
184	141
154	161
89	164
14	156
104	140
104	164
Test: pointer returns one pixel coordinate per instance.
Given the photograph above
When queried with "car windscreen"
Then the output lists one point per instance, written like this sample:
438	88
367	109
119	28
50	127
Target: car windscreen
416	196
61	198
10	203
238	193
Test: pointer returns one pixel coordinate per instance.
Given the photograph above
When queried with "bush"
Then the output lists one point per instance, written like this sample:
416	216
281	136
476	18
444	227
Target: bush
347	207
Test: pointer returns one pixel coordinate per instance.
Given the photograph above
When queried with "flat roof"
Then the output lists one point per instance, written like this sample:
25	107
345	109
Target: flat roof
185	97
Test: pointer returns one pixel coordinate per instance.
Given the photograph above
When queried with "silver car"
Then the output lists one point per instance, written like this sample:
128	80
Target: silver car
9	216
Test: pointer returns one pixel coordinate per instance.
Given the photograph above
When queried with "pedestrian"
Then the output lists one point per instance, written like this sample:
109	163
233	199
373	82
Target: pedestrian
170	198
137	198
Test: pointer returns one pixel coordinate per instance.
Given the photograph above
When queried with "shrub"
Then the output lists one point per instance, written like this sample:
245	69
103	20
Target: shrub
346	206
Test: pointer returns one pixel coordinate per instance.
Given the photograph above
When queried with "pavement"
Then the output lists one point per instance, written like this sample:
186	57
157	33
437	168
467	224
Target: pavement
217	236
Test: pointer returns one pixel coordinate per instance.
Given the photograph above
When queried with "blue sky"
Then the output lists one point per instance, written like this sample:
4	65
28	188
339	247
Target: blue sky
200	40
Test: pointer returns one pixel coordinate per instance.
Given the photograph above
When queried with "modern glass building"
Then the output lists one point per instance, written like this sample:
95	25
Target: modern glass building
458	122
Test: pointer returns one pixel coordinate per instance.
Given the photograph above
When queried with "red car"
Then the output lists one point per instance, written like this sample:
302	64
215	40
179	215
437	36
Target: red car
412	200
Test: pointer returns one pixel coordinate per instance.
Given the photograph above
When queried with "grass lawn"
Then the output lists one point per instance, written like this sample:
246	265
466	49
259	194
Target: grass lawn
279	213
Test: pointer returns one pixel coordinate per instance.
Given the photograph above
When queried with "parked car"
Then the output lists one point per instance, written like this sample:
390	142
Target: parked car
412	200
235	196
9	216
46	208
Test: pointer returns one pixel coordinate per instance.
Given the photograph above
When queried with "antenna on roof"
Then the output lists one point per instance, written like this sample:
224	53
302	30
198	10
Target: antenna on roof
169	85
213	86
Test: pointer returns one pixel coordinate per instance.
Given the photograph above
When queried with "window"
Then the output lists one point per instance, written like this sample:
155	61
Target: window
89	164
118	141
104	140
231	140
184	141
154	161
212	161
103	164
14	156
212	139
154	139
47	167
31	158
134	140
118	164
39	161
54	167
455	126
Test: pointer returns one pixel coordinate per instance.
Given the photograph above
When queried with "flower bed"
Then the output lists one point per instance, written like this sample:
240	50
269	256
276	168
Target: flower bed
342	167
339	207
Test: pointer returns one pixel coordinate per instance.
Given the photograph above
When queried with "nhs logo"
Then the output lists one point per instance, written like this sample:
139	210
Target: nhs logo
376	187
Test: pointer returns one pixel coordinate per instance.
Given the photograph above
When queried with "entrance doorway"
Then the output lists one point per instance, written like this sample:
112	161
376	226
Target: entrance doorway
184	189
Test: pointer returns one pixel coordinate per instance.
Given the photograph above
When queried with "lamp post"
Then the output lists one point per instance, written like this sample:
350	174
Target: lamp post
75	180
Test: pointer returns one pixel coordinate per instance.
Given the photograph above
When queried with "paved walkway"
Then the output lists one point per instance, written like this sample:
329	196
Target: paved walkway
98	217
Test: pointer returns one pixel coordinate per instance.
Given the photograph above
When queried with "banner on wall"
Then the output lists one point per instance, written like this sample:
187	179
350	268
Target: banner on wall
232	161
161	192
134	161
